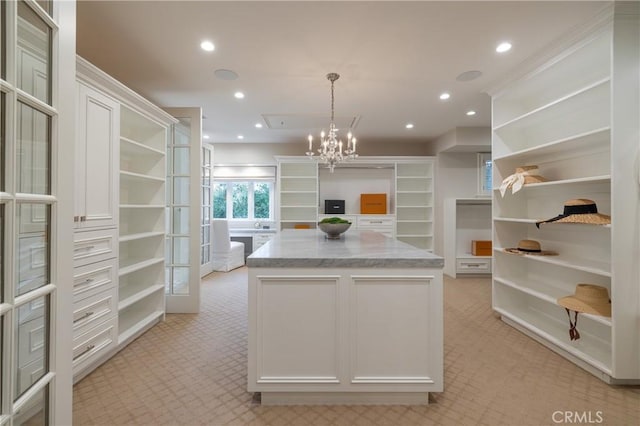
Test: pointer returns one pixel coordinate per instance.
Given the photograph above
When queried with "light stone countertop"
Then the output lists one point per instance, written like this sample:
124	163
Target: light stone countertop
360	249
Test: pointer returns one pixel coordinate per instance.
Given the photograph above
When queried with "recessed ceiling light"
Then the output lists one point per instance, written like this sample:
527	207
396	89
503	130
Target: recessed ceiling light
207	46
240	137
471	112
444	96
409	126
239	95
505	46
469	75
259	125
205	136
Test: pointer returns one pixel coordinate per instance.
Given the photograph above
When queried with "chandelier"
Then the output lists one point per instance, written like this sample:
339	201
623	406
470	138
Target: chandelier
332	150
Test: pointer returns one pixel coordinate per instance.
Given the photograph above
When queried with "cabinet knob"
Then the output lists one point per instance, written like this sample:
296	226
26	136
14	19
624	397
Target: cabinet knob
83	218
76	218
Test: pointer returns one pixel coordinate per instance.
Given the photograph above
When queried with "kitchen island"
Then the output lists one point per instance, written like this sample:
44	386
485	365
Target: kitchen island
357	320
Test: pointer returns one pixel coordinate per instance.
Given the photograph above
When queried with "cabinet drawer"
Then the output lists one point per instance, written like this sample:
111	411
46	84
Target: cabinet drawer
375	222
89	346
94	246
470	265
94	278
261	239
89	312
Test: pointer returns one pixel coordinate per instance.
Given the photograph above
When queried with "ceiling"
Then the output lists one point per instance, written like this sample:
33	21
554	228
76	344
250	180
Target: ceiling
394	60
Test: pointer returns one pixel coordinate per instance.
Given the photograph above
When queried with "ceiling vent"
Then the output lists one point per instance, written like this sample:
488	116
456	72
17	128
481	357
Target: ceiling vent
308	122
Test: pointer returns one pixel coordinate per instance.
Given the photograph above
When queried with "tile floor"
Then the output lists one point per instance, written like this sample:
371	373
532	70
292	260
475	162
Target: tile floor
191	370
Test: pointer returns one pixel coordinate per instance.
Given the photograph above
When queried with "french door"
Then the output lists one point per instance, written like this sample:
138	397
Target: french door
37	41
183	212
206	248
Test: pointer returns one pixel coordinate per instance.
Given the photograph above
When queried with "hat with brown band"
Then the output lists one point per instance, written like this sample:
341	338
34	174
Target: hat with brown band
579	210
530	247
589	299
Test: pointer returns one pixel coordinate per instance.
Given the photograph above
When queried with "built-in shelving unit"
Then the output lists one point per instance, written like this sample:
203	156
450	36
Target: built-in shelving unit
142	222
414	203
570	117
466	220
298	192
407	182
121	217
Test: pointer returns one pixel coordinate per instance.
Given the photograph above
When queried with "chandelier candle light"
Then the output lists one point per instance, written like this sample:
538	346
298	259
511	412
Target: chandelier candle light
331	148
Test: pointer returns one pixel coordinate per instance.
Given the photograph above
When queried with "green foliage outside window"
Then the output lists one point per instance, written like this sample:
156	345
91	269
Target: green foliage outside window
261	200
240	200
220	200
234	199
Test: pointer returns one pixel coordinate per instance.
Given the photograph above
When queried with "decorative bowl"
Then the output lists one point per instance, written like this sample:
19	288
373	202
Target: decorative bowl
333	230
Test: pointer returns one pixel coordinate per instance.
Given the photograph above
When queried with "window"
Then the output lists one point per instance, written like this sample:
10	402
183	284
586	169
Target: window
243	200
484	173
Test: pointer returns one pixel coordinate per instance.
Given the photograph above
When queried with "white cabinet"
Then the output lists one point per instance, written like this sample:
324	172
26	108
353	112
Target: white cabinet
95	239
298	192
414	202
260	239
383	224
98	122
466	220
119	241
575	117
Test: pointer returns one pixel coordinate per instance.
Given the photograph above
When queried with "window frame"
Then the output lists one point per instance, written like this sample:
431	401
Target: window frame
483	179
250	199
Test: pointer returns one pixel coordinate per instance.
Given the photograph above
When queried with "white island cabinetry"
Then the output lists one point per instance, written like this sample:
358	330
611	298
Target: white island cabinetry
355	320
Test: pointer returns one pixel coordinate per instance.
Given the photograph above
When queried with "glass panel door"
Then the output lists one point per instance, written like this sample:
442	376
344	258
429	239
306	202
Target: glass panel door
35	250
182	250
206	248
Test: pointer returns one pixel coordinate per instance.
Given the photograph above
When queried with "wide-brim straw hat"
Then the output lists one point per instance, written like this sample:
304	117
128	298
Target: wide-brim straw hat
529	174
579	210
524	175
531	247
588	299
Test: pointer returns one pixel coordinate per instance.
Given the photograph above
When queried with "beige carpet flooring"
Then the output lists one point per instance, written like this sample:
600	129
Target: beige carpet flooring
191	370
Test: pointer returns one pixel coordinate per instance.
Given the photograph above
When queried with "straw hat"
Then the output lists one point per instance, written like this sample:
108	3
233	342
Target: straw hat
588	299
524	175
531	247
579	210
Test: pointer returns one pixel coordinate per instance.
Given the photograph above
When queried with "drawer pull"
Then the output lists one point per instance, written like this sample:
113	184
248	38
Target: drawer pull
84	248
472	265
84	316
86	350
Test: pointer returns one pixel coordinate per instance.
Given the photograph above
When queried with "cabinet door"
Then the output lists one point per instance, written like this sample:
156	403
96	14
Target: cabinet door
96	151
